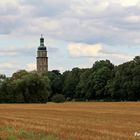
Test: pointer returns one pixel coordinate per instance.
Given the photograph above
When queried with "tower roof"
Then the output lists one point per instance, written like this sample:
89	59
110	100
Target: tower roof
42	46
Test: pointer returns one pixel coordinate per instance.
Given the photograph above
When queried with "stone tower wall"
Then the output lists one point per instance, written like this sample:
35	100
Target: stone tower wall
42	64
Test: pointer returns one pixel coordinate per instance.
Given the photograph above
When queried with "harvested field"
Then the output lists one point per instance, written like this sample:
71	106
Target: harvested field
72	121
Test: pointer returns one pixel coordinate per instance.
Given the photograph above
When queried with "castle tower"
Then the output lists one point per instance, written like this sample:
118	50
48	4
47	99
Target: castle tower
42	59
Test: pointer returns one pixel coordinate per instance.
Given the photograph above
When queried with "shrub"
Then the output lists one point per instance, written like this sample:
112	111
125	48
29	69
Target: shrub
58	98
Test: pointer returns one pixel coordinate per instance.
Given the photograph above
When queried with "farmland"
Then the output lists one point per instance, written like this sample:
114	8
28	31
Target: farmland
70	121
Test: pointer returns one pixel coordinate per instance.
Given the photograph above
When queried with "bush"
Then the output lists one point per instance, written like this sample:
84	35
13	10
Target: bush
58	98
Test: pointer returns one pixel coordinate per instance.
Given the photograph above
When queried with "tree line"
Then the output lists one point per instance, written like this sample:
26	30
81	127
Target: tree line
103	82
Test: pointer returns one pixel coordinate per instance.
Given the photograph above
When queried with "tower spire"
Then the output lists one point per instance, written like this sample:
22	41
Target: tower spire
41	40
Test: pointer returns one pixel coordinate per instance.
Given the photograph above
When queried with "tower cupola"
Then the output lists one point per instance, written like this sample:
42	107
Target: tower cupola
42	46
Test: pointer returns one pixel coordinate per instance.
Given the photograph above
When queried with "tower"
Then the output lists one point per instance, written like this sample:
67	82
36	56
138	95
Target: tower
42	59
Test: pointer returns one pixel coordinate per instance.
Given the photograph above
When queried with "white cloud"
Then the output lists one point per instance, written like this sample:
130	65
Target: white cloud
5	66
127	2
89	21
97	51
8	53
31	67
120	57
86	50
133	19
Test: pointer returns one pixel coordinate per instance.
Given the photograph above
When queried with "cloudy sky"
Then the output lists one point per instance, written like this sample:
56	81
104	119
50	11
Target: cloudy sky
76	32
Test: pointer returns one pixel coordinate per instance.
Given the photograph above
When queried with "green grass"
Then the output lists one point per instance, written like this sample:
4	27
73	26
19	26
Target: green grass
9	129
12	138
14	134
26	134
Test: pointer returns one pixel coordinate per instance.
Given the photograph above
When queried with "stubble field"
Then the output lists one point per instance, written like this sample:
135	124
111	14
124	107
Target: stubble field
70	121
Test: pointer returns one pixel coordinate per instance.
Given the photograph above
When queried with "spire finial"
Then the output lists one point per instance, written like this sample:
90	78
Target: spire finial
41	40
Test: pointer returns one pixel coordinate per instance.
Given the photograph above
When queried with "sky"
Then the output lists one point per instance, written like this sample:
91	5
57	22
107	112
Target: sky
77	32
